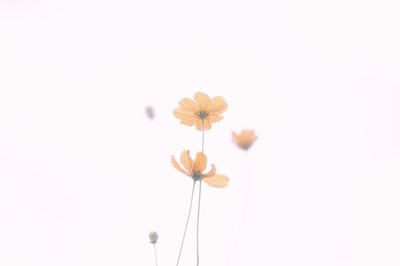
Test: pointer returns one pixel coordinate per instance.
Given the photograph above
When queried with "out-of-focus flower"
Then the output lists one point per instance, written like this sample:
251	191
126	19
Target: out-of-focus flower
149	112
196	168
244	139
153	237
202	111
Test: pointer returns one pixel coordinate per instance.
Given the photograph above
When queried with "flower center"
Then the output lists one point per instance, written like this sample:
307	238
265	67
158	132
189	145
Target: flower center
196	176
202	115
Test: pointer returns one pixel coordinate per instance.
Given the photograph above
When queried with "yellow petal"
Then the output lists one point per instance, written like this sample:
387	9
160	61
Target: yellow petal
186	161
217	105
190	121
211	172
202	100
186	117
182	114
177	166
213	118
200	162
218	181
188	105
206	124
199	124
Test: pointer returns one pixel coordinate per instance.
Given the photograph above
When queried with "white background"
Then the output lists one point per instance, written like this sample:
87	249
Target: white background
84	175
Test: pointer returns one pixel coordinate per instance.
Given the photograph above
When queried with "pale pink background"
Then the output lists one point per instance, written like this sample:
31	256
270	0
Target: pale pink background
84	175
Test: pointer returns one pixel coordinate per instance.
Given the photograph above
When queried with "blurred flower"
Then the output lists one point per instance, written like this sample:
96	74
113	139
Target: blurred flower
245	139
201	111
196	168
153	237
149	112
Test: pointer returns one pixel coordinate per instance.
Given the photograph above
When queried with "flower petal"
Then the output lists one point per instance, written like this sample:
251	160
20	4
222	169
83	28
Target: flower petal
186	117
202	100
199	124
217	181
189	121
186	161
206	124
182	114
200	162
211	172
177	166
217	105
213	118
188	105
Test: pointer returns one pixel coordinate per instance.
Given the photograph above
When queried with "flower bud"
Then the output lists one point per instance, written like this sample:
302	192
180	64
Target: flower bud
153	237
149	112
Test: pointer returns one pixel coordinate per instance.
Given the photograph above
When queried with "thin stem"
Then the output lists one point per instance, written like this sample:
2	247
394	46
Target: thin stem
202	139
187	222
155	253
198	225
198	206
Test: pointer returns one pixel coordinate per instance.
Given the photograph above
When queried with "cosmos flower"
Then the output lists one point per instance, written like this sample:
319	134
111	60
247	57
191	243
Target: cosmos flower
245	139
195	169
203	111
153	237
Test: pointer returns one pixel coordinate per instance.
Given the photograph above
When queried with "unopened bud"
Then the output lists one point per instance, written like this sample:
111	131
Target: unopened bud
153	237
149	112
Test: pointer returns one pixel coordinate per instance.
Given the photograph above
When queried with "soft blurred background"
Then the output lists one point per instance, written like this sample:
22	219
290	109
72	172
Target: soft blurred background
85	175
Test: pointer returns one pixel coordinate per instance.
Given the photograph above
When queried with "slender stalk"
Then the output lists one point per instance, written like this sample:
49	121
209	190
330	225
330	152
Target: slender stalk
155	253
202	139
187	222
198	225
198	206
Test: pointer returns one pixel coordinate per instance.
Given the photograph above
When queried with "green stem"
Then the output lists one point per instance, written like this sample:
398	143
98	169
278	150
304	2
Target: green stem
202	139
198	206
187	222
155	254
198	225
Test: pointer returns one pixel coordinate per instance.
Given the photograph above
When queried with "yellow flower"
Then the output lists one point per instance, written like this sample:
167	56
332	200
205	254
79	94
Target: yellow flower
245	139
203	111
196	168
